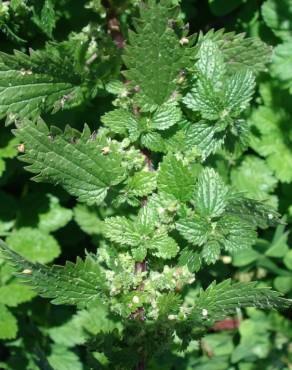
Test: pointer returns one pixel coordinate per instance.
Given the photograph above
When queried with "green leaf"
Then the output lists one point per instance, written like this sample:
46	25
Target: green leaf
190	259
254	178
46	18
210	196
281	66
176	178
240	52
55	218
14	294
271	140
238	233
62	358
120	121
141	184
277	15
288	260
283	284
194	229
8	324
77	163
122	230
75	284
154	57
34	244
33	84
168	303
166	246
166	116
221	7
221	300
211	251
88	219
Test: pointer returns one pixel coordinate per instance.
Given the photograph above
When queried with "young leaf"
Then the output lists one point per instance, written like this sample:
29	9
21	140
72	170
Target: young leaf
211	194
176	178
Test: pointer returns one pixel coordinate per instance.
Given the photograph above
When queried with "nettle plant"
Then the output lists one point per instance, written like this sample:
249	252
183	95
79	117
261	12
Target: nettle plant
179	100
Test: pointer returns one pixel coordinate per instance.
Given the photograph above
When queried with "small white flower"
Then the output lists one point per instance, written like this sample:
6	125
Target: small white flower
204	312
136	299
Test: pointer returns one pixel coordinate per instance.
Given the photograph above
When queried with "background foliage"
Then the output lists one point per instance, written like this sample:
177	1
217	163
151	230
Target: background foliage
46	224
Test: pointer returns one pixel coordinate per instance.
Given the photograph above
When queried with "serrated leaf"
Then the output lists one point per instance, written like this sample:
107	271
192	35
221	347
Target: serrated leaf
122	230
120	121
75	284
165	246
211	251
168	303
238	233
34	244
210	196
205	137
33	84
154	57
190	259
78	164
220	300
8	324
166	116
142	183
176	178
194	229
153	141
240	52
45	17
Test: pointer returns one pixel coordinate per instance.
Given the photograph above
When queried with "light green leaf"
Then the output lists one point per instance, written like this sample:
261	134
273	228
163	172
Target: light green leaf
122	230
62	358
238	233
55	218
120	121
14	294
88	219
141	184
211	251
271	141
194	229
166	116
283	284
8	323
176	178
240	52
254	178
34	244
281	66
277	15
166	246
33	84
77	163
210	197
